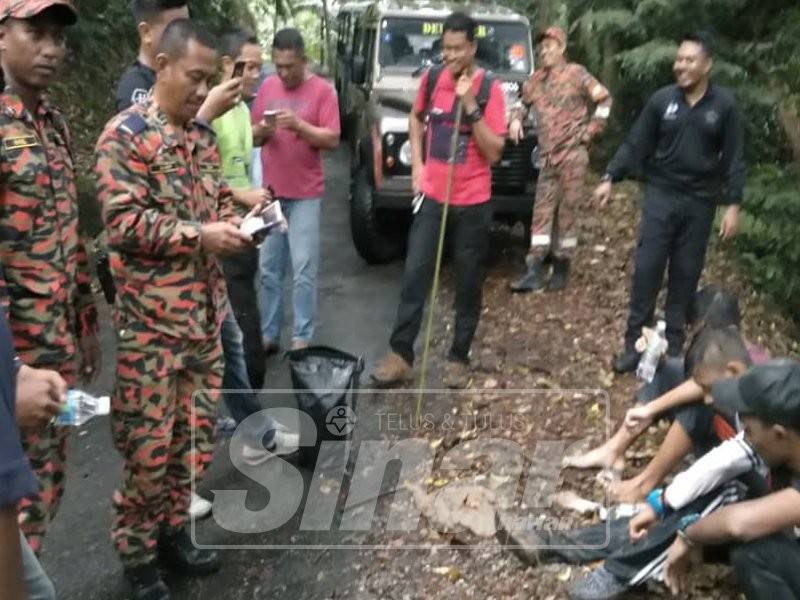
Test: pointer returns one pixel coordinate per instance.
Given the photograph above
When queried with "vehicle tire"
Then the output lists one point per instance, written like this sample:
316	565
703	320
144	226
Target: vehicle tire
376	236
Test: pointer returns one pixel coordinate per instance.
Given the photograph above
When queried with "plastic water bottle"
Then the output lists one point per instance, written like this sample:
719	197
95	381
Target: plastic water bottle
80	407
652	354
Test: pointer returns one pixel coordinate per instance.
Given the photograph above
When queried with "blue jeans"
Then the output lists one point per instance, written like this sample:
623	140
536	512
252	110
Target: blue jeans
37	582
241	400
300	245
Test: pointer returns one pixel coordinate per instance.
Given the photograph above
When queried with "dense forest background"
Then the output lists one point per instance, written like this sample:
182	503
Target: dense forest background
628	44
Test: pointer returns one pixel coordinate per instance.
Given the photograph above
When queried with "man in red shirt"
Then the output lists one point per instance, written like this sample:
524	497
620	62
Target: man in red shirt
302	118
481	141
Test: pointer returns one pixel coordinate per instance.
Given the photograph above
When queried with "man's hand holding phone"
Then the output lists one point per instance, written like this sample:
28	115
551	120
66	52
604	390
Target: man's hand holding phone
221	98
286	119
265	128
271	120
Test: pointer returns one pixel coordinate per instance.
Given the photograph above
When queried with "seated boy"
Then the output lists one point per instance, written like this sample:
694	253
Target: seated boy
712	308
713	355
696	490
763	552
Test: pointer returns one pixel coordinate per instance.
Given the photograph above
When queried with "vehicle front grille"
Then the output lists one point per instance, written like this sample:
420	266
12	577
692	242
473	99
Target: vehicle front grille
515	169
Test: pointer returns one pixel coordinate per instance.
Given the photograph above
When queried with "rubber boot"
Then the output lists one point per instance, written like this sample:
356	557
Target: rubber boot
533	280
560	276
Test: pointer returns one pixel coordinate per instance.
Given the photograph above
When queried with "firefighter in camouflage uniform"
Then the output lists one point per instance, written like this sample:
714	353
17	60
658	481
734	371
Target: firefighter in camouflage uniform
562	95
44	276
167	213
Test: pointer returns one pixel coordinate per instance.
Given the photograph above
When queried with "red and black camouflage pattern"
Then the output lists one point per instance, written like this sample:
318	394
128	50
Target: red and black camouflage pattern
560	190
156	187
155	190
563	99
44	275
571	108
155	412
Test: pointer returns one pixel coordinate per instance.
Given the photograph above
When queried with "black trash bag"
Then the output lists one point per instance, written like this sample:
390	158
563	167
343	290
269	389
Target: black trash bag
325	381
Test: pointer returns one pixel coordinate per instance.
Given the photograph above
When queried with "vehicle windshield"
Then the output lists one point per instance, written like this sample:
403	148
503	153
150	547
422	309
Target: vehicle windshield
410	43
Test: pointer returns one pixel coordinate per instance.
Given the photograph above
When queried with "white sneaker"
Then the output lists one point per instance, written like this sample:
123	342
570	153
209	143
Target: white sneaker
199	508
283	444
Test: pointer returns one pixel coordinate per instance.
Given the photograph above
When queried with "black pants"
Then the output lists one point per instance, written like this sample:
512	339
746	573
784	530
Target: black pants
240	276
768	568
623	558
468	232
673	232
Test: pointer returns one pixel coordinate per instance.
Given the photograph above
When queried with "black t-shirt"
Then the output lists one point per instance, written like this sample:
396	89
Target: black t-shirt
16	478
694	151
135	86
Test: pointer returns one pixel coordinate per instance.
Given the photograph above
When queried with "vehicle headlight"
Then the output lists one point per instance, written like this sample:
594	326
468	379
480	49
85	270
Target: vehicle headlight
404	156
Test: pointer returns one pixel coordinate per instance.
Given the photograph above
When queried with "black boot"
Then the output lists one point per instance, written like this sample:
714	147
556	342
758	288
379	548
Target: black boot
533	280
627	361
560	276
177	552
146	583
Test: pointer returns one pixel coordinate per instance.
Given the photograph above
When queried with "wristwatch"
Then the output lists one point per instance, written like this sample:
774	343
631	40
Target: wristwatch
606	178
474	115
684	524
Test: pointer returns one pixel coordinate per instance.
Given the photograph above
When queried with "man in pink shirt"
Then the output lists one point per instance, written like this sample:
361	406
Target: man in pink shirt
302	118
481	141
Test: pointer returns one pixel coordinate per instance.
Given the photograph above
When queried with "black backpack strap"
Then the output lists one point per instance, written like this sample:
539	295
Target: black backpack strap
485	90
433	77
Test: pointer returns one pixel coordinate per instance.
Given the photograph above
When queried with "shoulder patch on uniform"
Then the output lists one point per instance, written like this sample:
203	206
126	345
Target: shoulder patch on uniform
20	141
133	124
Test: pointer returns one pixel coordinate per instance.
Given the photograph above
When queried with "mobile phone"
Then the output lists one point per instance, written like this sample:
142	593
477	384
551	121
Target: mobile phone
270	116
238	69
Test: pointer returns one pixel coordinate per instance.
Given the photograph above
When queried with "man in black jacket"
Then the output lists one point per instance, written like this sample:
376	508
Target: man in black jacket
687	143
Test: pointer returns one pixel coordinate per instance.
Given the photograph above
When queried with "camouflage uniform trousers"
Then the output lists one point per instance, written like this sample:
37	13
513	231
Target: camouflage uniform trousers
46	450
559	192
163	426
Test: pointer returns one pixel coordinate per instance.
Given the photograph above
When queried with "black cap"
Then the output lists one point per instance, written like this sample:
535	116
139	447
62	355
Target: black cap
770	391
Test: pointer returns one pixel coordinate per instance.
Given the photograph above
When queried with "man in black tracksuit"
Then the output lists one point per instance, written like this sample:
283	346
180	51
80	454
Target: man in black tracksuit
687	143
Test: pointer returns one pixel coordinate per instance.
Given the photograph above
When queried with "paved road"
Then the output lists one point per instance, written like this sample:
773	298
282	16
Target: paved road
357	304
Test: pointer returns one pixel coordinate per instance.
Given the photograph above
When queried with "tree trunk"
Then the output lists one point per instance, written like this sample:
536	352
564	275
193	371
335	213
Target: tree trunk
790	119
545	14
326	38
609	71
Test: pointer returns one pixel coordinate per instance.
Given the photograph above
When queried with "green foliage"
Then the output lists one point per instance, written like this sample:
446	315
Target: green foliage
630	45
649	62
767	245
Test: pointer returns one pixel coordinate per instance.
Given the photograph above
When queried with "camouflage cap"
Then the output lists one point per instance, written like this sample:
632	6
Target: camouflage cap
25	9
554	33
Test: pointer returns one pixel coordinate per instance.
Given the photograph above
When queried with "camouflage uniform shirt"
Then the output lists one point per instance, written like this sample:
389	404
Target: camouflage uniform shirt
156	188
562	98
45	282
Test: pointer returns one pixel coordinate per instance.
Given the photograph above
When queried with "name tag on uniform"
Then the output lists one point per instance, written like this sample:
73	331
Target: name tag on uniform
214	170
20	141
165	167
